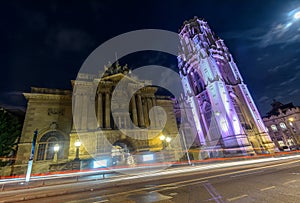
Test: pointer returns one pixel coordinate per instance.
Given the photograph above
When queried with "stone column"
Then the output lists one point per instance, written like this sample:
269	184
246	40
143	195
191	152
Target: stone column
84	114
146	116
125	123
76	124
107	110
149	105
140	111
100	111
134	111
156	120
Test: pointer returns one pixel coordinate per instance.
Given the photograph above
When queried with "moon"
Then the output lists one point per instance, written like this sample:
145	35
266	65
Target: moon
297	15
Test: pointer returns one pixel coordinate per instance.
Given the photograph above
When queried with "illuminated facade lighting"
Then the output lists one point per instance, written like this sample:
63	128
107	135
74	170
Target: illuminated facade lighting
223	113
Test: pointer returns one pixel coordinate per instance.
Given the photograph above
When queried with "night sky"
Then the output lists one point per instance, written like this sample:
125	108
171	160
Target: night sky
44	43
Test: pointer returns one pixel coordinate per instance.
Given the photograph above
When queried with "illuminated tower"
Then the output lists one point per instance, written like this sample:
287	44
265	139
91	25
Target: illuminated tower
223	114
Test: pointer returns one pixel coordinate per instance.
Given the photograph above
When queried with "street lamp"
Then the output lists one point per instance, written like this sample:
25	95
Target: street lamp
165	139
168	139
77	145
162	137
56	149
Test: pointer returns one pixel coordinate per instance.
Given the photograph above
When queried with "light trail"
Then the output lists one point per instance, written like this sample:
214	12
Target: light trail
173	171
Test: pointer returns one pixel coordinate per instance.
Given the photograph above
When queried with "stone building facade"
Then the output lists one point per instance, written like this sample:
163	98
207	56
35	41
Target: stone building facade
223	114
50	111
283	124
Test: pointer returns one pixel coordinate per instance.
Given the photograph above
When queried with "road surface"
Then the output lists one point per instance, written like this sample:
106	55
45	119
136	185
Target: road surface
273	181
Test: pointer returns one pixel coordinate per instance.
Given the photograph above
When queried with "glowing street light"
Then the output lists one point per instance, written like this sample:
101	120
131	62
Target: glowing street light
77	145
168	139
165	140
56	149
162	137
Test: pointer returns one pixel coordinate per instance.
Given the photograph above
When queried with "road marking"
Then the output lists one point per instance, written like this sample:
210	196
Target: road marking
195	183
106	200
267	188
163	189
244	174
213	192
236	198
288	182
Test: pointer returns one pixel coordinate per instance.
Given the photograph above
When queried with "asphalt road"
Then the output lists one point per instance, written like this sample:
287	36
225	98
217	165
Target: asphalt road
276	181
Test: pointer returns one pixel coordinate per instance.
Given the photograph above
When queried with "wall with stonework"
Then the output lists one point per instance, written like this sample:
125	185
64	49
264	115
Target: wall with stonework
45	112
171	128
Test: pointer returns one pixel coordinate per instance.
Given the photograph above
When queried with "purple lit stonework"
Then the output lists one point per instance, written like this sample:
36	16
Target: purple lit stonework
223	114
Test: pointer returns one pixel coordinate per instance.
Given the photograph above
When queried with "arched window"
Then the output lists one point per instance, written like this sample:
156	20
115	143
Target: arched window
274	128
46	146
283	126
191	80
198	82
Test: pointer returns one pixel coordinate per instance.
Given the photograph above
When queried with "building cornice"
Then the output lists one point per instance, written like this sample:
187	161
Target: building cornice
37	96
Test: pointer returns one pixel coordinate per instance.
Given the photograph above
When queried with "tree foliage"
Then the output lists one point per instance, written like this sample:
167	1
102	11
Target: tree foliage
10	131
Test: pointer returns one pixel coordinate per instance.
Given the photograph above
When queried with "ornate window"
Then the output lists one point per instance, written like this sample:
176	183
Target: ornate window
46	146
283	126
274	128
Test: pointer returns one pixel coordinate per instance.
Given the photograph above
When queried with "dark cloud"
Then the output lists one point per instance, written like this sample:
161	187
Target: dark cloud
283	65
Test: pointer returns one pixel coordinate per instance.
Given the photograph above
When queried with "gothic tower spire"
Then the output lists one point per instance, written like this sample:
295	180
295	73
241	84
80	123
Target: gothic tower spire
225	117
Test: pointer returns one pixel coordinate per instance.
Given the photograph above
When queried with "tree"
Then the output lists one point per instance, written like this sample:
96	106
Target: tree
10	132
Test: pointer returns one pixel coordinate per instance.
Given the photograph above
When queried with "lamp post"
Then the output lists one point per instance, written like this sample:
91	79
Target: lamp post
77	145
29	168
56	149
